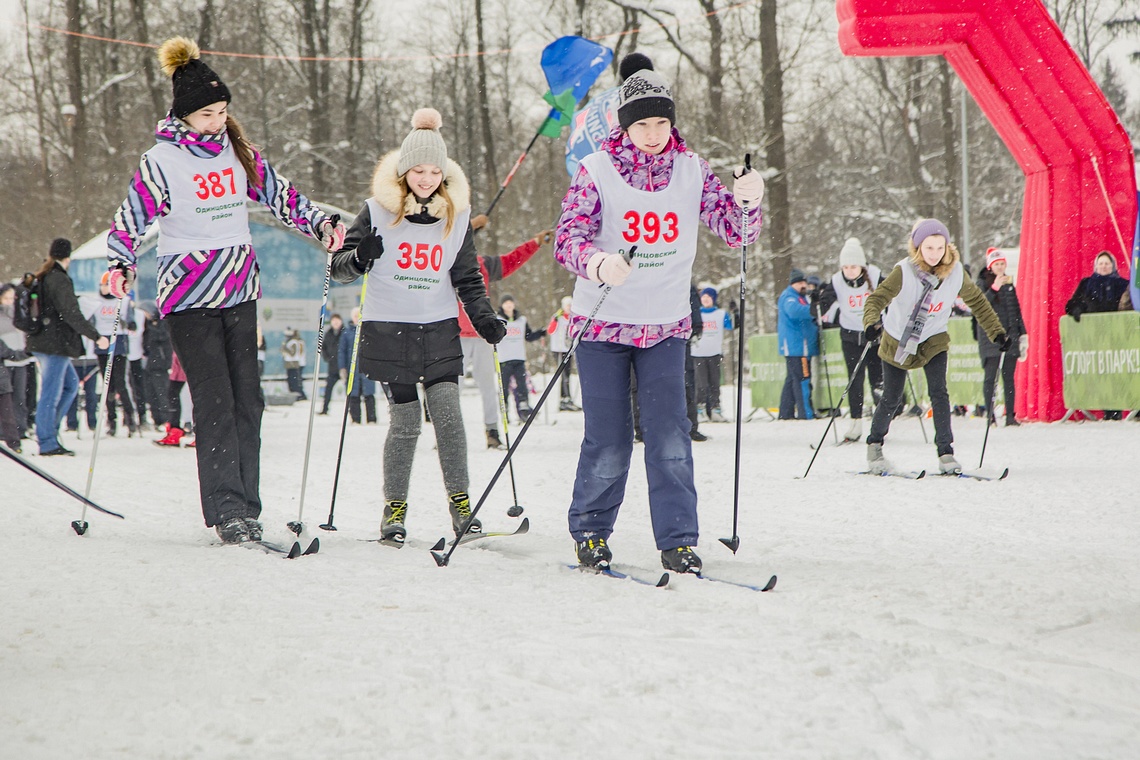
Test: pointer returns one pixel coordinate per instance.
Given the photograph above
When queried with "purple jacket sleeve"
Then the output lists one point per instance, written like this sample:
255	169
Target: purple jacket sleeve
579	224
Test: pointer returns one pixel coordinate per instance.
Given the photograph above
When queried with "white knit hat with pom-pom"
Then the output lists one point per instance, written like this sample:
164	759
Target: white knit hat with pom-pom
424	144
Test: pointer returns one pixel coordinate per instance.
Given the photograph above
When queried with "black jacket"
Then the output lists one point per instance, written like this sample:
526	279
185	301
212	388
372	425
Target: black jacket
1096	294
408	353
1008	309
64	323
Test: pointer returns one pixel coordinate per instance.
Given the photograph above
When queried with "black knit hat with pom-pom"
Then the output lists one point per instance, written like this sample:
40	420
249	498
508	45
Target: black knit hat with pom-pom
644	94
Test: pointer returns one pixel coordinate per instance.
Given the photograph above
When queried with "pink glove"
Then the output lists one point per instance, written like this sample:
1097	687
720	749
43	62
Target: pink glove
120	281
332	235
608	268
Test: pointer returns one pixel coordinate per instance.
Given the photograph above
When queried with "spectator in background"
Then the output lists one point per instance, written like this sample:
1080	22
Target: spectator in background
560	346
9	432
87	369
361	385
512	356
156	378
18	369
1102	291
998	289
330	352
293	354
798	337
477	351
707	353
111	316
56	344
137	366
841	302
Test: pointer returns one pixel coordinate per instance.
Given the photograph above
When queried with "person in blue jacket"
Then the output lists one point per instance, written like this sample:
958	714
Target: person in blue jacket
361	385
799	341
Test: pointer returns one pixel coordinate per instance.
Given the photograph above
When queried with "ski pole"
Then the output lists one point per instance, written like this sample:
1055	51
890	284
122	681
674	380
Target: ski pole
57	483
990	418
826	372
511	173
443	559
914	395
516	510
734	542
80	525
347	397
831	420
297	526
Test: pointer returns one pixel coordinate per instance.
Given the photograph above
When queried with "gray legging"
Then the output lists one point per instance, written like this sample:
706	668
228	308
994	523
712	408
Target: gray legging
405	422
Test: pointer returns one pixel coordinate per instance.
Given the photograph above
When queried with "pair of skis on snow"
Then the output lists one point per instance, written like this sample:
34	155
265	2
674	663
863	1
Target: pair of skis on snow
663	580
920	474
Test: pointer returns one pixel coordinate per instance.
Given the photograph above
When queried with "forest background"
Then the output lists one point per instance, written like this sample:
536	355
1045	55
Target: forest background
849	146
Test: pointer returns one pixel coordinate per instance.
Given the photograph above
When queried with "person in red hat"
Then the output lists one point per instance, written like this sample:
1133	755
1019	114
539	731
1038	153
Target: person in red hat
997	286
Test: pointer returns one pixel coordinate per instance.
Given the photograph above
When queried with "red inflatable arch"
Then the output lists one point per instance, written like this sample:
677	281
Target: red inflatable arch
1053	118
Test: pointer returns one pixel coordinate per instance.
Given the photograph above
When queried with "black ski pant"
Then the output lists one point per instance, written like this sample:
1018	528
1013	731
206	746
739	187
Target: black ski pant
894	385
708	382
872	365
218	349
564	382
516	368
990	367
138	388
117	390
156	385
330	382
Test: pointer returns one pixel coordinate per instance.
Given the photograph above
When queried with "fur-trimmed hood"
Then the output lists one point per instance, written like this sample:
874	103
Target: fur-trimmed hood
943	268
386	189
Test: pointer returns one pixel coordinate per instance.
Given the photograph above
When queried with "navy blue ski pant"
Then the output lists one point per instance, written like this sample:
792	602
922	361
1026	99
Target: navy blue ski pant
603	464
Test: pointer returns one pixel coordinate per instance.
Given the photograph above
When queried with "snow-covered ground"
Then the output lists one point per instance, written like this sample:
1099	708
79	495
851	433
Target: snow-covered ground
931	619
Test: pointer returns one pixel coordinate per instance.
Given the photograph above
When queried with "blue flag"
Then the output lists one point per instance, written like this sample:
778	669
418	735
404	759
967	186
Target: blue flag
574	63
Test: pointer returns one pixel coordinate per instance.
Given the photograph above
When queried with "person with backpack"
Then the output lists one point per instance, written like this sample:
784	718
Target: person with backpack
58	340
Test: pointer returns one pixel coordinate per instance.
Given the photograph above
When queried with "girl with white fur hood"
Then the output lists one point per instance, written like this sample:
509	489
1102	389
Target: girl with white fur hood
414	239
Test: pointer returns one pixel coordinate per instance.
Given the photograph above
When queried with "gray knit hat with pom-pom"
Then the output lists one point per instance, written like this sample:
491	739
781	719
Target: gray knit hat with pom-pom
424	144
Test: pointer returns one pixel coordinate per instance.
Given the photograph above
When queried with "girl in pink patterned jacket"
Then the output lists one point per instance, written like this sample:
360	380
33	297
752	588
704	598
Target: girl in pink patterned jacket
643	188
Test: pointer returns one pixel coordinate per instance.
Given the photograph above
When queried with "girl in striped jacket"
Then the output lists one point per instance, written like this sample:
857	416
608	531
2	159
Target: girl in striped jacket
195	183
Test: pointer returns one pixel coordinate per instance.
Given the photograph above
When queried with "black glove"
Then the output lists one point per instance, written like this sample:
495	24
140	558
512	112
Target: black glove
1076	314
492	329
368	250
873	332
1003	342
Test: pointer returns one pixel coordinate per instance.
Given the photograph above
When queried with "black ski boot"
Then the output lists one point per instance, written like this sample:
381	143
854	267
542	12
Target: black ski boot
254	528
392	529
681	560
233	531
460	506
493	440
594	554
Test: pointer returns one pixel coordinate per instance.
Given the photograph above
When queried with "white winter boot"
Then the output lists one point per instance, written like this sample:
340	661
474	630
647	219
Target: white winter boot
855	432
876	462
948	465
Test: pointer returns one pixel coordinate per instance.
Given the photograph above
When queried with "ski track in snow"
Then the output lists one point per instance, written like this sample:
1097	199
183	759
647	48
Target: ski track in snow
940	618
